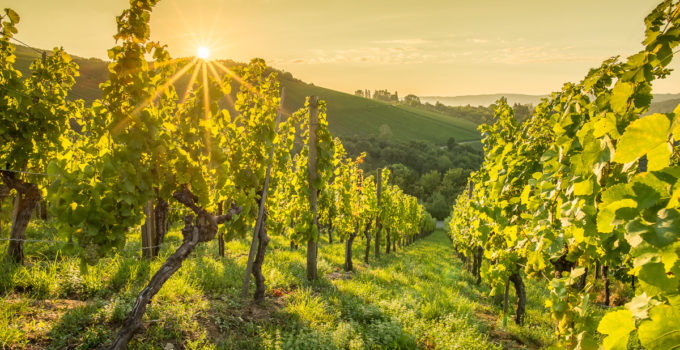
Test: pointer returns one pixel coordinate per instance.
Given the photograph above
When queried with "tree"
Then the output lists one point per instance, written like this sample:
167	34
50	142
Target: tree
412	100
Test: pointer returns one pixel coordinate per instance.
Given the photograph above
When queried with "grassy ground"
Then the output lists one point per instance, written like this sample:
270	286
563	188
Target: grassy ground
419	297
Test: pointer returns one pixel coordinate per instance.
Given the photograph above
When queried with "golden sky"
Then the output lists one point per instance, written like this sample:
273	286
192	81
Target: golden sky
423	47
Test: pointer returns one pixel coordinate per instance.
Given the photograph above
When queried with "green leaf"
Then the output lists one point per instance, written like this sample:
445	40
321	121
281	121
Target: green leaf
606	215
662	331
583	188
617	326
666	228
646	135
654	280
620	96
639	305
13	16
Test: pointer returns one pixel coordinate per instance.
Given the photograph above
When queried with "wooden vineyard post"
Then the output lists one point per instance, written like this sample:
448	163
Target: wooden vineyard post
220	235
148	230
312	244
378	225
261	209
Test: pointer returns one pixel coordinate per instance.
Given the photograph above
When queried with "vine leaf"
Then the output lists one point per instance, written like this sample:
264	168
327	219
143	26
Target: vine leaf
662	331
617	325
648	135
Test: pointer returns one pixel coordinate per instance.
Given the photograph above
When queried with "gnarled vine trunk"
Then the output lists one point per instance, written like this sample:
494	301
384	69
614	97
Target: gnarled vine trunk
263	240
581	284
477	264
4	193
388	244
25	202
367	234
516	280
348	250
605	277
202	229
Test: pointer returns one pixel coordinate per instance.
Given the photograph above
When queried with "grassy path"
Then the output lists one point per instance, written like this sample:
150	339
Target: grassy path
416	298
421	297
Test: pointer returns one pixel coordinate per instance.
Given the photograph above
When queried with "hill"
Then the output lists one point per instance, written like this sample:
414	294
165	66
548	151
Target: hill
660	103
664	106
482	100
348	115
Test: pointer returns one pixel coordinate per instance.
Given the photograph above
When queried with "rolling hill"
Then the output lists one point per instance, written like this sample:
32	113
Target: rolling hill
348	115
482	100
662	103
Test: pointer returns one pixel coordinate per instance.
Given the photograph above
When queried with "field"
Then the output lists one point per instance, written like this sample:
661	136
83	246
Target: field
420	297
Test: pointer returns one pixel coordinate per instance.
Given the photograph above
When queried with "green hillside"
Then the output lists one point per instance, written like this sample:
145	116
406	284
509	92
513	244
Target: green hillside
348	115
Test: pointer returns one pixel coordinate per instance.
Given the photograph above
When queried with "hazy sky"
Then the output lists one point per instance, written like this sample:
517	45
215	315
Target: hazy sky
424	47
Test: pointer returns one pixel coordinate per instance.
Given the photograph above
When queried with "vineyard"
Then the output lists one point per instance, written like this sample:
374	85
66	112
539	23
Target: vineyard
146	158
583	196
156	218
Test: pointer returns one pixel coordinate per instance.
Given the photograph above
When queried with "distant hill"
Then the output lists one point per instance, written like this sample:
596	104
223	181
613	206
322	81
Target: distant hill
658	98
486	100
665	106
348	115
482	100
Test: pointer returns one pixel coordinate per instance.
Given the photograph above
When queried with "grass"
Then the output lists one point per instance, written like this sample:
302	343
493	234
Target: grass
419	297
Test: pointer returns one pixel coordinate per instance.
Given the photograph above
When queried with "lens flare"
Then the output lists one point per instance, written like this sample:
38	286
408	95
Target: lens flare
203	52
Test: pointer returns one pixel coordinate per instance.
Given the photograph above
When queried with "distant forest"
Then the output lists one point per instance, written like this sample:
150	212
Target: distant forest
436	174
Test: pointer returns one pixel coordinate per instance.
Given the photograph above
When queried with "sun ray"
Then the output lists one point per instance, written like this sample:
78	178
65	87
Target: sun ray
206	106
155	65
233	75
217	77
121	124
190	87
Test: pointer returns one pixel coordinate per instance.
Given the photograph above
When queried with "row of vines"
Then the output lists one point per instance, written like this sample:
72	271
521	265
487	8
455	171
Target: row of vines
142	147
589	183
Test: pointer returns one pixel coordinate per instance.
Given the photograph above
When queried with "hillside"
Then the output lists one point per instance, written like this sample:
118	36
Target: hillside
348	115
664	106
482	100
661	102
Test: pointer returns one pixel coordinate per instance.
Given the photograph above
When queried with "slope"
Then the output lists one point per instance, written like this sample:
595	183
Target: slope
348	115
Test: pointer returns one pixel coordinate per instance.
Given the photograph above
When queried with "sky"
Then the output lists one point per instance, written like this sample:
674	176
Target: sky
424	47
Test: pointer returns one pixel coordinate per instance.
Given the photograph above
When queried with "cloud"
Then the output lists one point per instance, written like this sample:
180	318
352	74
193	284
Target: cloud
538	54
398	52
478	40
414	41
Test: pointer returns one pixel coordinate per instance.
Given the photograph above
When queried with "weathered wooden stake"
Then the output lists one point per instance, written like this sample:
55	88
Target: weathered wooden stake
378	225
312	244
148	230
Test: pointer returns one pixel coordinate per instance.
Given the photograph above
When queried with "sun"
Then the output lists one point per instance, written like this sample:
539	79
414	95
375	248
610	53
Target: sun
203	52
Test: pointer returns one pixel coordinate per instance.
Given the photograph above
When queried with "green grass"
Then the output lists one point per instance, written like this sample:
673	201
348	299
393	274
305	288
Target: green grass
348	115
419	297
